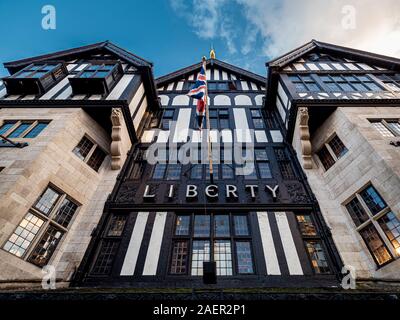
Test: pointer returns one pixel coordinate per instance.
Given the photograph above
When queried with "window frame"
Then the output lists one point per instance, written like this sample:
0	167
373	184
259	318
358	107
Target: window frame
47	221
212	238
92	150
23	134
306	238
328	147
385	122
373	220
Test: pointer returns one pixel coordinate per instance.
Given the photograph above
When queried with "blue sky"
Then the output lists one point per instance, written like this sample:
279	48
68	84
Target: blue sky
153	30
176	33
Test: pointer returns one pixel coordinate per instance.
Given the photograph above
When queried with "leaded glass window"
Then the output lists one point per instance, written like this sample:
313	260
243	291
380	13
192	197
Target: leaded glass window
244	257
224	236
40	231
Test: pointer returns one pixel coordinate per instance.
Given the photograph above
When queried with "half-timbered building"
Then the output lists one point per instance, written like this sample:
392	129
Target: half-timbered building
105	173
165	218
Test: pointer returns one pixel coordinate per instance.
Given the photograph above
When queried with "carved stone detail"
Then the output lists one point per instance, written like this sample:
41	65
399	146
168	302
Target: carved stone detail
305	138
296	193
116	120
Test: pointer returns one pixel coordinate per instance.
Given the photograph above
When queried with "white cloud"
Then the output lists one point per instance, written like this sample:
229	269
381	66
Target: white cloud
287	24
259	30
207	19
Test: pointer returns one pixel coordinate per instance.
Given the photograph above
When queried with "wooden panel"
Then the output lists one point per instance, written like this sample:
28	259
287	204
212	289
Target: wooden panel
153	251
128	267
116	93
271	260
288	244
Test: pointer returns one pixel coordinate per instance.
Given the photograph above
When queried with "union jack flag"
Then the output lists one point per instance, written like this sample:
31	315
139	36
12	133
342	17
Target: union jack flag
199	92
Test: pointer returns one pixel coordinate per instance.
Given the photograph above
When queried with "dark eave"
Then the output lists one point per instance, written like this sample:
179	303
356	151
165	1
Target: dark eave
71	54
179	74
349	53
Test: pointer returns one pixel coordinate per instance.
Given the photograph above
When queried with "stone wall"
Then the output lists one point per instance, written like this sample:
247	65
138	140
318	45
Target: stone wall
49	159
370	159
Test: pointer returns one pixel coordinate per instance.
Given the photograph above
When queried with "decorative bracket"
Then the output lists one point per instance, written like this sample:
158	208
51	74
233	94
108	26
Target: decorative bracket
116	120
305	138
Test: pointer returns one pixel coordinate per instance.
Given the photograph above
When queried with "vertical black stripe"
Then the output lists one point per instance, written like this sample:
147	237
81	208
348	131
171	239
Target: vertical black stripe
280	253
145	245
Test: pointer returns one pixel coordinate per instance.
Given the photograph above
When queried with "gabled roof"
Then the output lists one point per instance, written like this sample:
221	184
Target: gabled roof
71	54
349	53
210	62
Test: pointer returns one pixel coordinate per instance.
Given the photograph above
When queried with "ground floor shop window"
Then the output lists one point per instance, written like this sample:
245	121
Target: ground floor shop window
225	237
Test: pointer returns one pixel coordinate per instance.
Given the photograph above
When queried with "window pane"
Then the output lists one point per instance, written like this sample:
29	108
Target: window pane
215	171
375	244
255	113
86	74
116	226
244	257
159	170
345	86
65	212
317	256
182	225
169	113
36	130
223	123
300	87
394	125
19	130
313	87
201	226
179	257
227	171
338	147
83	148
200	253
23	235
373	200
105	257
264	170
96	159
44	249
326	158
385	132
223	257
307	227
38	74
47	201
196	172
6	126
241	226
333	86
357	212
253	174
391	226
101	74
221	226
261	154
173	172
258	123
373	86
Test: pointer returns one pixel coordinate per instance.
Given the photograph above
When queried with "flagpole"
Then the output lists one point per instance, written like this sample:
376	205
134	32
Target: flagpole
210	162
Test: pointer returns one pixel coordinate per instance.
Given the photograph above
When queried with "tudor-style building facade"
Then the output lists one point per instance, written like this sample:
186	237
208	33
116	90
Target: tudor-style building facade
98	175
163	220
341	112
67	122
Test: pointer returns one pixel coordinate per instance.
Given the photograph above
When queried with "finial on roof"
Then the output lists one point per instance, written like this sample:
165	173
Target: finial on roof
212	53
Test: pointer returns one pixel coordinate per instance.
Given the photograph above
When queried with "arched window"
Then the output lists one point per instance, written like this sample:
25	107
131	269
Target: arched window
164	100
259	99
242	100
222	100
180	100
